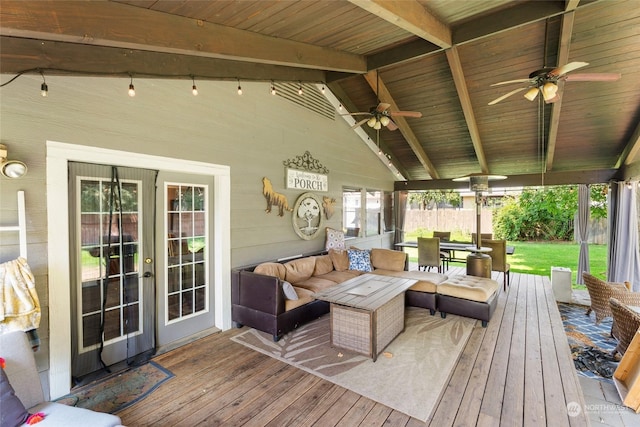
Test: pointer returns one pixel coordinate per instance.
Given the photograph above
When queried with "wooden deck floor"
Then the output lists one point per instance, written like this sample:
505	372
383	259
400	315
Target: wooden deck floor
516	372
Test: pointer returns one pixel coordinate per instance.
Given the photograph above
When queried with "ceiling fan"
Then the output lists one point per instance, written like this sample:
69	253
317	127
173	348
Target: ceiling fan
545	81
381	116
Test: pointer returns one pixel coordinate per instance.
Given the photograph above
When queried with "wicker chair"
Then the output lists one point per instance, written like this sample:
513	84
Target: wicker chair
626	323
600	292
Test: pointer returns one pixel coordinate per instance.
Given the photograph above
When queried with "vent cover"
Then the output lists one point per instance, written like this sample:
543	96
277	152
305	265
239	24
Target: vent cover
311	99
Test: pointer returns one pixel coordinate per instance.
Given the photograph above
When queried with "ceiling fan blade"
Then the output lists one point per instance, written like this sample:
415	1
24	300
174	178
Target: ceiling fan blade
594	77
361	113
511	81
416	114
360	123
513	92
382	106
391	125
567	67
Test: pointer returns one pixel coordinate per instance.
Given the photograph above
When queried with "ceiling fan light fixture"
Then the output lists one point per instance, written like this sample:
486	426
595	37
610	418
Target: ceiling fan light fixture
372	122
531	94
384	120
549	90
377	125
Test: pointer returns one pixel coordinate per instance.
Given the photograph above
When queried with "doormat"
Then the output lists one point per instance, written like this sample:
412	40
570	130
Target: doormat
409	376
118	391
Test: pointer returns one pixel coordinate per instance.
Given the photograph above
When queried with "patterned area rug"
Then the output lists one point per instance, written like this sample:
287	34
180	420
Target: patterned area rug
591	345
118	391
409	376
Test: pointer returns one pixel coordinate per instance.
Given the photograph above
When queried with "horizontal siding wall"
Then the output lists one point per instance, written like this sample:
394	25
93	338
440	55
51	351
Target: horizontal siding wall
252	134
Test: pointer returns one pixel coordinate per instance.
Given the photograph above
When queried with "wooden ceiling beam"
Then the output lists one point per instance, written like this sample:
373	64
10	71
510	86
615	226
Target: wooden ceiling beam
378	86
523	13
599	176
110	24
467	109
58	58
399	54
410	16
349	106
564	44
630	152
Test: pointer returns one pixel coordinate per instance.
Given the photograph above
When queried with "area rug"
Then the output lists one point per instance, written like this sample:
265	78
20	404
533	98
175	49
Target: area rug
118	391
591	345
409	376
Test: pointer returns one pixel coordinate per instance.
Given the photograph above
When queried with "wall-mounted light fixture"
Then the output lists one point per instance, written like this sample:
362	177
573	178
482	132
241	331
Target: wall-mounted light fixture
11	168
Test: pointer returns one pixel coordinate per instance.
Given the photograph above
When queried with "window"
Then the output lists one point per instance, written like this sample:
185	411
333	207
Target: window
351	211
370	211
374	212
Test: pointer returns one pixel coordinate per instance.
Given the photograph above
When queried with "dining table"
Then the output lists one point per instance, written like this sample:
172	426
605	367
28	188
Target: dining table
455	246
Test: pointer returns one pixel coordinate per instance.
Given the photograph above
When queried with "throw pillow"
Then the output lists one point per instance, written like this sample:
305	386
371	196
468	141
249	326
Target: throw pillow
359	260
335	239
289	291
340	259
13	411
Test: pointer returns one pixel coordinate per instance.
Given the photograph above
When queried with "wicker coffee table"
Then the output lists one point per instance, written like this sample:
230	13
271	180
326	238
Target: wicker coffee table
367	312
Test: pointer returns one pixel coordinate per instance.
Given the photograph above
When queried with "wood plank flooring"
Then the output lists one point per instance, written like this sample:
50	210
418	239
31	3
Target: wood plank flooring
515	372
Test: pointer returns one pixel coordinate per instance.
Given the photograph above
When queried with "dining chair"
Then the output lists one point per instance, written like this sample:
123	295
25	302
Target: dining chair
498	257
626	323
429	253
445	254
483	236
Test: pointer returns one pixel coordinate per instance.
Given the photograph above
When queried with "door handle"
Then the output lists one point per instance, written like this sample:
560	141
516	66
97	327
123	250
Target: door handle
147	274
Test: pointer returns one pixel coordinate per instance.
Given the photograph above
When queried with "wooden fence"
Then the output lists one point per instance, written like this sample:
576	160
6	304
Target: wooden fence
464	220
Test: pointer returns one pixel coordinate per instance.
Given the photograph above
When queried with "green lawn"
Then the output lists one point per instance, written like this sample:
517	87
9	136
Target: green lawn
538	257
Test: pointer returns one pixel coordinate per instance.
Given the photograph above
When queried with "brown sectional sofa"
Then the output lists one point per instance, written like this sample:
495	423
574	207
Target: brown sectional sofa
259	293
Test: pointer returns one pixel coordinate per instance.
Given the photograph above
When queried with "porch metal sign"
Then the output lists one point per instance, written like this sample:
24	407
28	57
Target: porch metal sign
306	173
308	181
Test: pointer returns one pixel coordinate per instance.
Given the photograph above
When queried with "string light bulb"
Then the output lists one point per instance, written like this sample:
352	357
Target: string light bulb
194	89
239	88
273	88
322	90
44	89
299	88
132	89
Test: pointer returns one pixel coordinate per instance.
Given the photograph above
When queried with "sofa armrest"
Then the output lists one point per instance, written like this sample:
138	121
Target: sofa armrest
258	292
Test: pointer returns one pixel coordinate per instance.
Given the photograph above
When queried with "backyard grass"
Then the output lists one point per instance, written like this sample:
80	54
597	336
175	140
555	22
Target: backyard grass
538	257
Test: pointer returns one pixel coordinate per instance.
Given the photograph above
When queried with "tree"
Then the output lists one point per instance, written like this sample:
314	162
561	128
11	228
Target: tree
436	198
545	213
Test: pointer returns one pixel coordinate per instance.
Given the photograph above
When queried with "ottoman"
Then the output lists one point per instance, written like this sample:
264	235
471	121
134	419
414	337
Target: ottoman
468	296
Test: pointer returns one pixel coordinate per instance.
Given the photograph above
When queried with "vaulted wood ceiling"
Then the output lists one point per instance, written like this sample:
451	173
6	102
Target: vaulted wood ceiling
438	57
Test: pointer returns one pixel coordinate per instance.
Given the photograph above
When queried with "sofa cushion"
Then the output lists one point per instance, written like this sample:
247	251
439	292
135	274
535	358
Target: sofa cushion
359	260
473	288
274	269
340	259
334	240
300	269
340	276
316	284
387	259
324	265
304	296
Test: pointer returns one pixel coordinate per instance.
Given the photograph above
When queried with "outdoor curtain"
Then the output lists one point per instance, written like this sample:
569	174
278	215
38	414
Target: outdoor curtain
582	230
623	257
401	211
